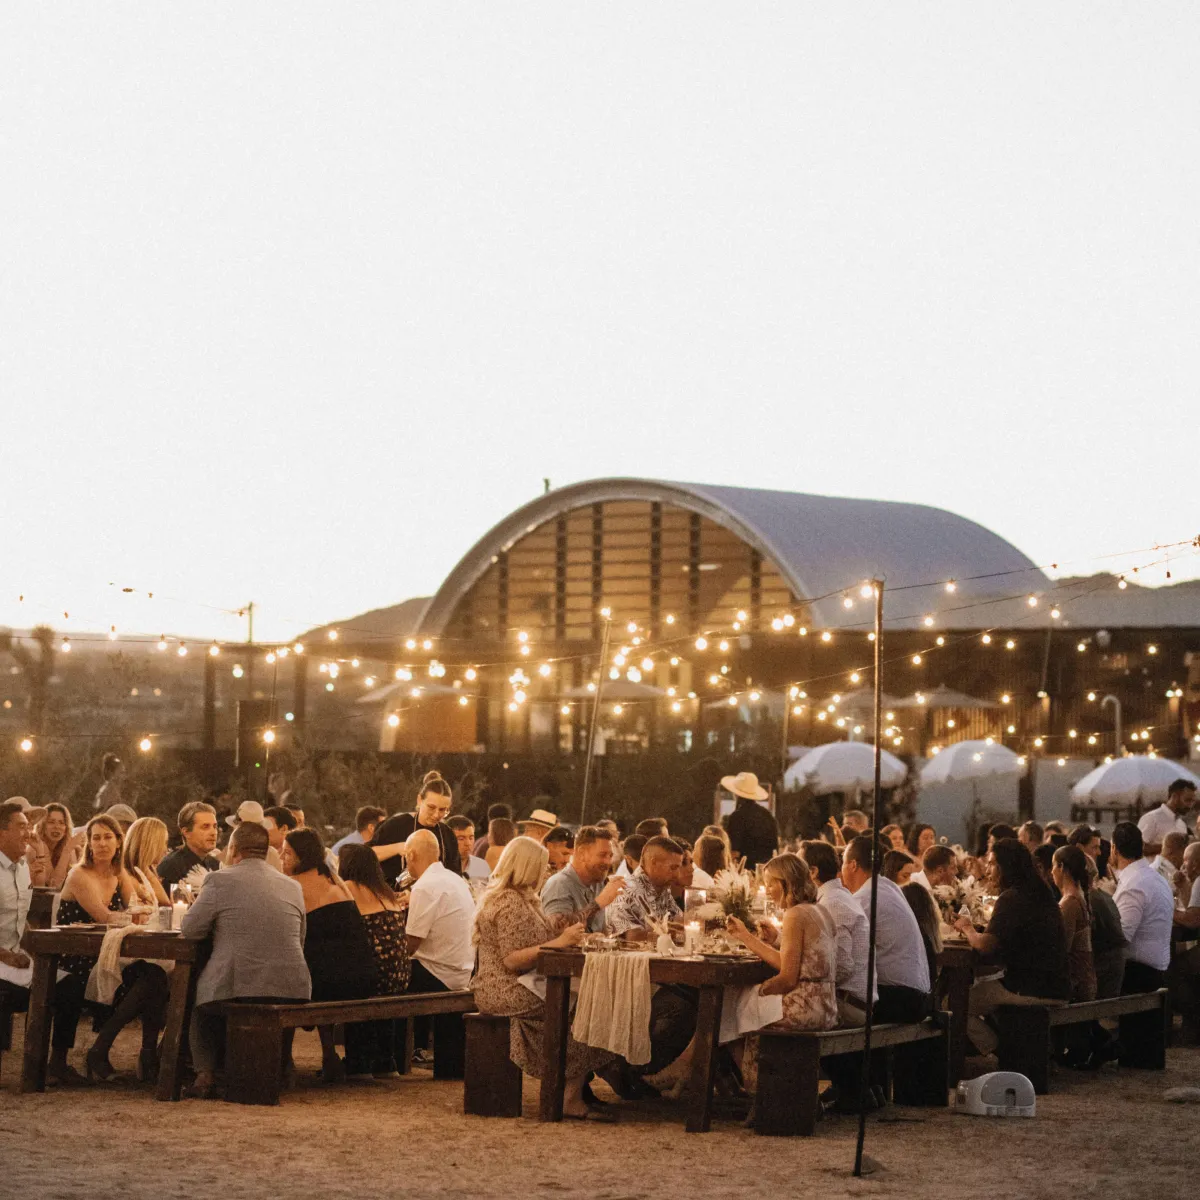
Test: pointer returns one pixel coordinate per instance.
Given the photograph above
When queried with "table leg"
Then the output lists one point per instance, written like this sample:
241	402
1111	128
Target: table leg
958	996
178	1006
37	1024
704	1059
554	1069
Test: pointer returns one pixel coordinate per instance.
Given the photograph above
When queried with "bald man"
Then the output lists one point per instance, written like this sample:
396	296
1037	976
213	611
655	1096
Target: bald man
1170	857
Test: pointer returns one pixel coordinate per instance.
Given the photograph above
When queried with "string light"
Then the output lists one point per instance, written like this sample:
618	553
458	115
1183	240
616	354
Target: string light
182	651
214	650
866	592
847	602
1151	649
854	677
702	643
27	744
565	710
1005	699
647	664
723	647
1010	644
238	672
732	701
788	620
522	636
941	640
66	646
1081	647
928	621
162	644
112	633
617	710
916	660
827	636
333	637
464	701
269	736
544	670
987	639
393	720
951	586
1055	614
741	615
144	745
676	706
670	618
471	673
298	648
410	644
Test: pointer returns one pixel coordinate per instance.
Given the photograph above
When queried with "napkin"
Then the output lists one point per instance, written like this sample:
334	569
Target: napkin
613	1011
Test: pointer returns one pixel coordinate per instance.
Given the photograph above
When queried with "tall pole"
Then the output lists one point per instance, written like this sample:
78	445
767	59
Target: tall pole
876	819
591	746
1117	718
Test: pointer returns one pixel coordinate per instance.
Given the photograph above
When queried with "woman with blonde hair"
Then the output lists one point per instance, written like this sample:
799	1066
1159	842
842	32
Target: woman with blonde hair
510	932
145	847
51	853
97	890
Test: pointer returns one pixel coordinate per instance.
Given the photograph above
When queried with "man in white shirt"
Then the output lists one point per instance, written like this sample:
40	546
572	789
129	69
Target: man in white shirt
1147	908
473	867
1158	822
441	912
939	868
1184	973
853	932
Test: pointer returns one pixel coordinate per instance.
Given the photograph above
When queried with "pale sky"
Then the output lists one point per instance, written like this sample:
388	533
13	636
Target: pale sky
297	300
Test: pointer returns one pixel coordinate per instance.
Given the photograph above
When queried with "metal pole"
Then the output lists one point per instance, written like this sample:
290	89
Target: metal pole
876	817
787	701
1117	743
591	746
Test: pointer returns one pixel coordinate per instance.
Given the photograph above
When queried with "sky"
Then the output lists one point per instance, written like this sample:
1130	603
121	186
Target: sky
298	300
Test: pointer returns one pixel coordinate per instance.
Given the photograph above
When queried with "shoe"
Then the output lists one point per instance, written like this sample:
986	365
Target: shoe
591	1099
360	1077
626	1084
147	1066
392	1074
64	1074
98	1067
422	1058
605	1116
333	1070
201	1092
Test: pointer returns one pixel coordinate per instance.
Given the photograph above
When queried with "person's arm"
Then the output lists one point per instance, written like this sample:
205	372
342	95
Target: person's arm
1131	904
198	921
525	959
558	908
751	941
985	943
1188	918
844	965
421	914
37	858
90	896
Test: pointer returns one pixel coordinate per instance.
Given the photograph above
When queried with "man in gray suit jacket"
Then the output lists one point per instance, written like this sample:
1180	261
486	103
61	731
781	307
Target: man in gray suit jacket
255	917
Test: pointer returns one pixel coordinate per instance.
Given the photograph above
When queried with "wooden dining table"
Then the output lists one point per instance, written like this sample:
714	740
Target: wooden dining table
960	966
709	976
47	946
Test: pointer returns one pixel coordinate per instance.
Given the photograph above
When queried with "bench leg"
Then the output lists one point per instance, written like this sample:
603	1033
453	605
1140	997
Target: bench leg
492	1085
404	1045
921	1073
1144	1036
449	1048
1025	1044
789	1077
253	1060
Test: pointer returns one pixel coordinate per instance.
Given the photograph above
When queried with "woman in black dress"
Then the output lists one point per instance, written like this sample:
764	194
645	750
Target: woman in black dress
384	914
337	949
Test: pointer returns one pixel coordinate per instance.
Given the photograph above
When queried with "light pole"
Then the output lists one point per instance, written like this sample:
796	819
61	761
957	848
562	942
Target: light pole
1117	722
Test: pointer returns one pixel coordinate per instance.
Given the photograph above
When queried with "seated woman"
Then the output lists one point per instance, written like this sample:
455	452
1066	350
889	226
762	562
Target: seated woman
920	838
894	836
337	950
52	851
1071	878
898	866
383	913
510	932
806	956
1027	936
96	891
1108	937
711	855
929	921
501	831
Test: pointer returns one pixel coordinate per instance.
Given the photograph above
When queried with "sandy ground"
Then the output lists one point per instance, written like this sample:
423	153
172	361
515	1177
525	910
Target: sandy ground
1106	1135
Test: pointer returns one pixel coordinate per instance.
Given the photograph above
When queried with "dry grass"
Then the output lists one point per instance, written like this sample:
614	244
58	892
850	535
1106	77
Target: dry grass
1100	1135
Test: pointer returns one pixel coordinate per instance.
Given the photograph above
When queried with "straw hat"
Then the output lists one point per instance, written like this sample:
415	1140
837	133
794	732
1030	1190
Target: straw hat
122	814
248	810
541	818
744	785
33	813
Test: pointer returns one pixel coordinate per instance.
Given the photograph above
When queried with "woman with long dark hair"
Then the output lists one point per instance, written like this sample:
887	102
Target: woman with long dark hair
1027	935
1073	880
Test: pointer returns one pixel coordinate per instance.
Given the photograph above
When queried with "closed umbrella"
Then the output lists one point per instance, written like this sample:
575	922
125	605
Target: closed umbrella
1126	781
971	760
844	767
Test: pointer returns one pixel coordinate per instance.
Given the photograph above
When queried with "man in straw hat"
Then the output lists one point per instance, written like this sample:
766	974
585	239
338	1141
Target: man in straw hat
250	812
538	823
753	832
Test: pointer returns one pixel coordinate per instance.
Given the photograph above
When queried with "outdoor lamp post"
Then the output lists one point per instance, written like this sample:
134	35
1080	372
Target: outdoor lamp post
1116	720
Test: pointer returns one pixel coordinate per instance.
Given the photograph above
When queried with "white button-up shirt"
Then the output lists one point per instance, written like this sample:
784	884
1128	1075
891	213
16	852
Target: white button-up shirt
853	937
15	896
441	911
899	951
1165	869
1147	908
1158	822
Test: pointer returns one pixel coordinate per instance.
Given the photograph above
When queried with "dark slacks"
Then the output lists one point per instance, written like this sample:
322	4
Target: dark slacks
896	1006
449	1035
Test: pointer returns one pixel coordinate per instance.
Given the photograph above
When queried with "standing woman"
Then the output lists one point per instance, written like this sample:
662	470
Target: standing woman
336	949
112	771
51	853
433	807
383	913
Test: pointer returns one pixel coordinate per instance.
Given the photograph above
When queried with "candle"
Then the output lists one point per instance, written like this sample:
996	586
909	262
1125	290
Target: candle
178	912
691	937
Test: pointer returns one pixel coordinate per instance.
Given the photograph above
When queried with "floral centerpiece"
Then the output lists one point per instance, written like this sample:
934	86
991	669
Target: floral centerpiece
952	897
732	895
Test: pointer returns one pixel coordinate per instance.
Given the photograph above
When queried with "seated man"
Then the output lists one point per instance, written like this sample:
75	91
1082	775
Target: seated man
255	917
366	821
1031	835
631	854
441	915
559	843
1147	908
648	893
1170	858
197	823
279	822
1184	972
939	868
582	890
473	867
853	932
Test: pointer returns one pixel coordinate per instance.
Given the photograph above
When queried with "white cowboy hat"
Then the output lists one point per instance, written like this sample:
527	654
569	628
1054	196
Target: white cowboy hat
121	813
248	810
33	812
744	784
540	816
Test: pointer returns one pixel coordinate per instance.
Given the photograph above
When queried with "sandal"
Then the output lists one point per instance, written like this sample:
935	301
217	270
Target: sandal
98	1066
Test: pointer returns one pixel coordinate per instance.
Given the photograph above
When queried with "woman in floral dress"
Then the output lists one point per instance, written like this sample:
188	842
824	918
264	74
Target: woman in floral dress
511	931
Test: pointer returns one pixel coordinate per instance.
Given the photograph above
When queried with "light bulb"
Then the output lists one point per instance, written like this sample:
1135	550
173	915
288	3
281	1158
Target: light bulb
427	644
162	643
617	710
214	650
565	710
238	672
26	744
1091	696
987	639
393	720
298	648
928	621
854	676
755	697
269	736
741	615
951	586
788	620
1005	699
182	651
1081	647
1032	601
1055	614
333	637
847	602
471	673
463	701
144	745
522	636
916	660
647	664
1010	644
732	701
827	636
544	670
701	643
670	618
866	591
676	706
410	644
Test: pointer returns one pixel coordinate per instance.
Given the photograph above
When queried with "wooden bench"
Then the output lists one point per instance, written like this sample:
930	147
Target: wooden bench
492	1084
41	910
1025	1038
254	1034
789	1070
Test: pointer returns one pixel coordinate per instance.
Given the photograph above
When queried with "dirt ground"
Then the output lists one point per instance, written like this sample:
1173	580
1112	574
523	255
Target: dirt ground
1105	1135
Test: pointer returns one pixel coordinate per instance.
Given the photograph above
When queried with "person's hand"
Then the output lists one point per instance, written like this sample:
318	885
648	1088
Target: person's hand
769	932
610	891
14	958
571	936
772	987
964	925
738	928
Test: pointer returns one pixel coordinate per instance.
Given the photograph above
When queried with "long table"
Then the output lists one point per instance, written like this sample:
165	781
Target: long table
959	966
710	978
47	946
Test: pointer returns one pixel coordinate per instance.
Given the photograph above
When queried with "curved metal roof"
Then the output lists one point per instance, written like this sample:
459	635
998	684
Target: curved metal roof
820	545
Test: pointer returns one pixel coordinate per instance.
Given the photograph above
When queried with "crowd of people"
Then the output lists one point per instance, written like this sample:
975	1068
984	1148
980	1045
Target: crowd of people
416	902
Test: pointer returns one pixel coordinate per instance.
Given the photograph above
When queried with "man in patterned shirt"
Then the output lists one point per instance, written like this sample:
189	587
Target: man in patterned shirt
648	893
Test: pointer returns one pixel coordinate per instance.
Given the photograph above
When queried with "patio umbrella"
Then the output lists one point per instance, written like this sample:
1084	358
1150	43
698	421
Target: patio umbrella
943	697
617	689
844	767
1137	777
971	760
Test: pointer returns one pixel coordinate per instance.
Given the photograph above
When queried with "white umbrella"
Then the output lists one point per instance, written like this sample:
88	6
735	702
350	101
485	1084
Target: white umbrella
971	760
1138	777
844	767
